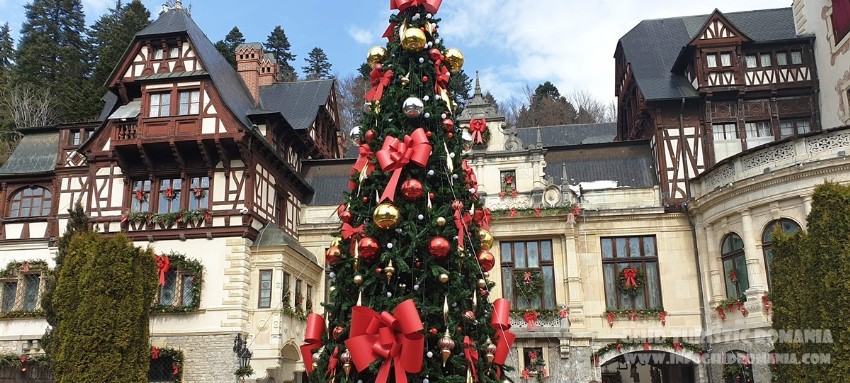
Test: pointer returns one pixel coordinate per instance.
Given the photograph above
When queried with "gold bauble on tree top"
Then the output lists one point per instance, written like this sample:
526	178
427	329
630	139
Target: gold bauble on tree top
413	39
376	55
386	216
455	59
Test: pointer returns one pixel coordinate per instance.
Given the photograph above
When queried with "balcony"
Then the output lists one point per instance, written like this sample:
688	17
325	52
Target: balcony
124	131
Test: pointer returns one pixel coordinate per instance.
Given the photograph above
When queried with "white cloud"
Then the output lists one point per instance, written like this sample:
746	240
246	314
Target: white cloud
361	35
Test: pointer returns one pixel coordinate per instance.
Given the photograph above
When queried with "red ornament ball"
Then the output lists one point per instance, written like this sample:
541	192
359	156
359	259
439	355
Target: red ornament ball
428	134
486	260
345	216
378	270
459	329
338	331
448	124
370	135
368	247
439	247
412	189
365	199
418	264
333	255
431	195
451	135
424	78
433	331
469	315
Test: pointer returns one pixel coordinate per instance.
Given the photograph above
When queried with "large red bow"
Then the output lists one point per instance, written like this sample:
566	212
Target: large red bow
379	79
364	160
471	355
312	339
630	274
531	319
395	337
477	127
442	82
162	265
396	154
501	322
462	219
483	217
471	178
431	6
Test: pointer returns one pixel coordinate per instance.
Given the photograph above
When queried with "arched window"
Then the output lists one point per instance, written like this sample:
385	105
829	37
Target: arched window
737	368
787	226
734	266
30	202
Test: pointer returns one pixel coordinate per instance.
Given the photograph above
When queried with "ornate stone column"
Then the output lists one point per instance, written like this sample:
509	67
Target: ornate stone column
755	269
715	271
575	293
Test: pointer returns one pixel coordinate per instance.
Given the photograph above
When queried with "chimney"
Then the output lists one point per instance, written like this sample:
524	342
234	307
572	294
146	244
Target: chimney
248	57
269	70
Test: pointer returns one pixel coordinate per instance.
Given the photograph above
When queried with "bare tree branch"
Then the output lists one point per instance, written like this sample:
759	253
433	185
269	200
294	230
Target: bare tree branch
29	106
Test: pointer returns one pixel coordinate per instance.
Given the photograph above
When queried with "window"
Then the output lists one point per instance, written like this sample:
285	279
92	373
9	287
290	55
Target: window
508	178
619	253
535	258
727	131
787	226
173	52
781	58
160	105
200	196
309	299
796	57
169	195
177	290
30	202
789	128
532	357
726	59
76	137
265	300
765	59
286	297
758	129
751	61
734	266
161	367
711	60
189	102
158	54
840	19
141	196
20	292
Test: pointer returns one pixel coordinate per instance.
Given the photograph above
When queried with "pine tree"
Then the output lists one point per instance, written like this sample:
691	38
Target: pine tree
102	301
52	54
278	45
318	66
111	34
413	240
227	47
7	51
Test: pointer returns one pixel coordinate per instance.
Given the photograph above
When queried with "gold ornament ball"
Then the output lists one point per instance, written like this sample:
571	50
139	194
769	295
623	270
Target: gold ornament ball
444	278
413	39
358	280
486	239
386	216
482	283
455	59
376	55
441	221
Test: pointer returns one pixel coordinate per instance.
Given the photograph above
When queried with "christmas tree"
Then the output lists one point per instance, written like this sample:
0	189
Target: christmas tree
410	289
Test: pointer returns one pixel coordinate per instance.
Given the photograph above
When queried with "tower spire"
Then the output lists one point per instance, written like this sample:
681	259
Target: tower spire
178	4
477	85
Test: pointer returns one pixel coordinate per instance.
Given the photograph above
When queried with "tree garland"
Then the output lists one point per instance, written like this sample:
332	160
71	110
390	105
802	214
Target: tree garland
176	359
528	284
631	280
189	266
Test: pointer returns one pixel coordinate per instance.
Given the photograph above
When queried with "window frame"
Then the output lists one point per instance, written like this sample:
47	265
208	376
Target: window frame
265	302
509	262
507	187
19	197
794	124
159	106
173	108
179	289
640	262
204	183
759	129
734	254
173	205
21	298
193	107
722	127
767	240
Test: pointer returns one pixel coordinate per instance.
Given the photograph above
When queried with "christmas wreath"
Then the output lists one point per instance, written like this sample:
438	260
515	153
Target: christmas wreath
631	280
528	284
479	132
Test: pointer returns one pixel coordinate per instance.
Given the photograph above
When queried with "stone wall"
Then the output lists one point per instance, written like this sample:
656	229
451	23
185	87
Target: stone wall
207	358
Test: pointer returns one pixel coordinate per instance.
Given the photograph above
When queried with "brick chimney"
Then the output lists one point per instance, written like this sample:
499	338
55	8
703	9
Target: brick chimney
248	58
269	70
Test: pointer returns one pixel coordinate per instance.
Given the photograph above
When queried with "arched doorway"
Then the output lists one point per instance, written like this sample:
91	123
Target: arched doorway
649	367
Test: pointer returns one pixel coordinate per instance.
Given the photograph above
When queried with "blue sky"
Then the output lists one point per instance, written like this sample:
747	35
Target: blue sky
513	43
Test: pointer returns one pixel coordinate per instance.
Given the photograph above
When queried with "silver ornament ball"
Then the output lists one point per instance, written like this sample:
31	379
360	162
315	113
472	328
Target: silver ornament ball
413	107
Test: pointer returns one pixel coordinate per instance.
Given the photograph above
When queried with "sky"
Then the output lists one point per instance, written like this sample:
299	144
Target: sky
514	44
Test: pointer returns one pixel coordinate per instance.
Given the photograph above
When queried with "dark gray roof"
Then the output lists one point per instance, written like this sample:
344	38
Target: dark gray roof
329	179
272	235
652	46
629	163
299	102
109	101
569	135
36	153
227	81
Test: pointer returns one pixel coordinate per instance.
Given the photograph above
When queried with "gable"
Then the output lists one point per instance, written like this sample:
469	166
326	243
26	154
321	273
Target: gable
718	29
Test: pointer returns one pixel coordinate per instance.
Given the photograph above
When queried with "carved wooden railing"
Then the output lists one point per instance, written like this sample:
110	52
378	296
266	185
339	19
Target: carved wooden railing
125	131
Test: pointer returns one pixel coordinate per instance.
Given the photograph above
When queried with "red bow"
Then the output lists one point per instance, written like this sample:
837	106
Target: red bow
677	346
140	195
633	315
442	82
431	6
501	322
526	277
663	316
461	218
531	319
483	217
162	265
563	313
364	160
471	178
349	231
610	316
471	354
619	347
645	346
394	337
512	212
312	339
477	127
154	353
630	274
332	362
379	79
720	312
175	369
396	154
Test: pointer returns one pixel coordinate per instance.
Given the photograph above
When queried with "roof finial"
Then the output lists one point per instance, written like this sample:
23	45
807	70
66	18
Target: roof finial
178	4
477	85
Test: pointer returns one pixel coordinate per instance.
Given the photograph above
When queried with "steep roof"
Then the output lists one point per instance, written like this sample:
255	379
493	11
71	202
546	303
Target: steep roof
569	135
652	46
329	179
227	82
630	163
36	153
299	102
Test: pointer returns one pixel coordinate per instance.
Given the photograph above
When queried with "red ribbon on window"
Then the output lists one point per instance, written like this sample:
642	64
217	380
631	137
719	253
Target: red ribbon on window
198	193
645	345
501	322
530	317
471	355
630	274
431	6
396	154
720	312
312	339
677	346
175	369
663	316
526	277
154	353
364	160
395	337
162	265
633	315
140	195
169	193
563	313
379	79
512	212
610	316
619	347
477	127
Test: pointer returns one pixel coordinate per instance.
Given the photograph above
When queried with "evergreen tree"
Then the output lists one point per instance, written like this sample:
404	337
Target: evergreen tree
411	248
318	66
78	222
278	45
102	302
111	35
364	70
461	85
546	107
52	54
7	51
227	47
809	287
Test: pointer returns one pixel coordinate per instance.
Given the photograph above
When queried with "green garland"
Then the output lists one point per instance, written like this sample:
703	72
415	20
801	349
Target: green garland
176	358
666	342
640	281
12	268
190	266
531	289
242	372
11	360
196	216
547	212
542	315
735	370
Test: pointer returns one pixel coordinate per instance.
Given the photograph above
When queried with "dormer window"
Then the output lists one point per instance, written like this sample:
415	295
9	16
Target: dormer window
714	60
160	105
765	59
796	57
158	54
725	59
173	52
190	102
711	60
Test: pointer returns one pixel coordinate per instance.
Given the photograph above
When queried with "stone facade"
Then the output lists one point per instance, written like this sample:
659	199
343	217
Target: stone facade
207	358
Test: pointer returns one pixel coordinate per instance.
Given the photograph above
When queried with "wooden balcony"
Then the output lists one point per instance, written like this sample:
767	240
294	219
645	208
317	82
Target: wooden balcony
124	131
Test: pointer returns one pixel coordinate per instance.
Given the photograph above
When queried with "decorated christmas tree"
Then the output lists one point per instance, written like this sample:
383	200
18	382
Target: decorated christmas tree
409	274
